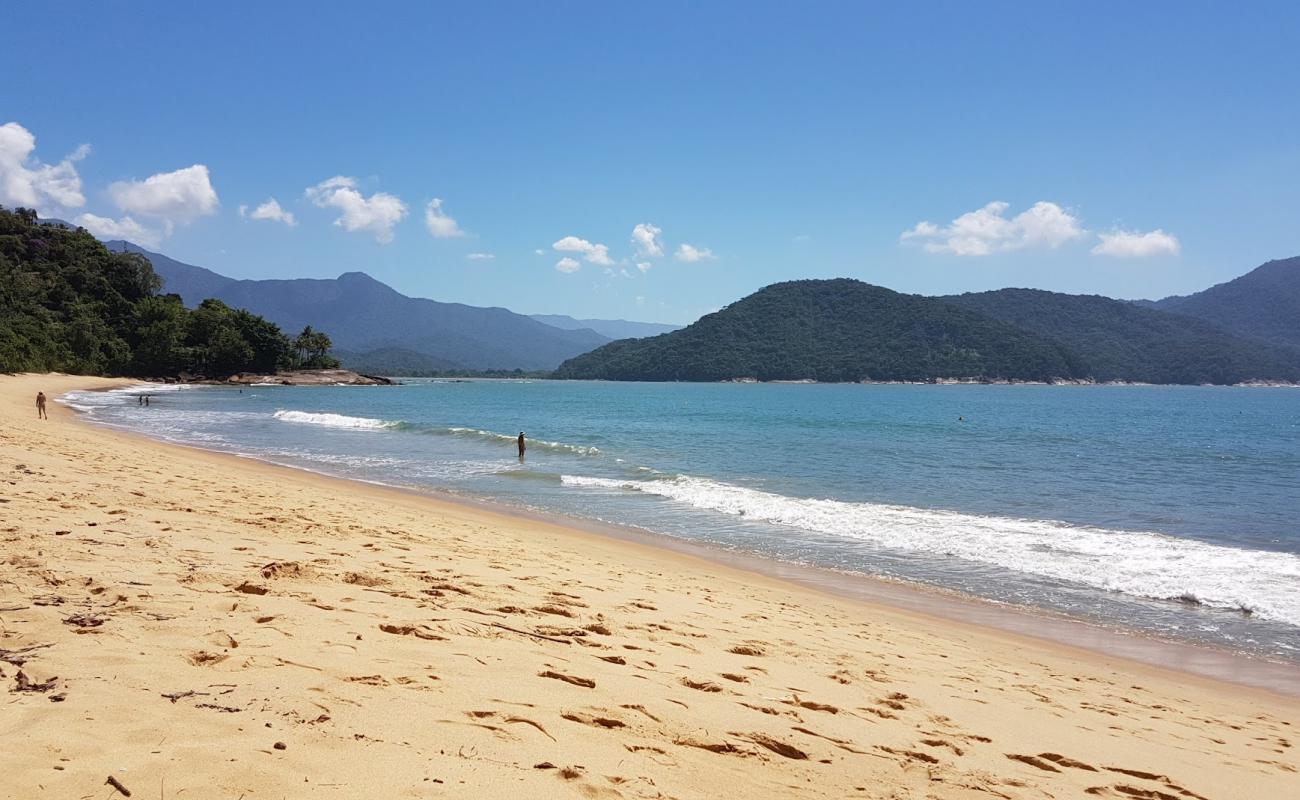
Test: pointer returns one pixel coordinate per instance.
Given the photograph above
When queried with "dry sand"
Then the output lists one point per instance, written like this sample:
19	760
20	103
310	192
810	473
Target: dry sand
201	626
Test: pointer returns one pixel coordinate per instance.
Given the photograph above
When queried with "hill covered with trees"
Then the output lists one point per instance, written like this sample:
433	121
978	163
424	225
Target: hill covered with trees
69	304
1263	303
833	330
846	330
1120	341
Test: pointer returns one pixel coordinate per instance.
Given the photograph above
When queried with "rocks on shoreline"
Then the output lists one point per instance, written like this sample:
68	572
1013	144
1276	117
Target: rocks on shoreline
304	377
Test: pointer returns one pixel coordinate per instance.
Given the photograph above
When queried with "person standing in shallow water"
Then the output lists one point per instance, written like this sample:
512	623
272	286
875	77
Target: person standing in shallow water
522	446
40	414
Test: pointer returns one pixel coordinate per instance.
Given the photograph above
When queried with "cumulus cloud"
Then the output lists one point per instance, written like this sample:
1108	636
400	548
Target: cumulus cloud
481	256
644	266
440	225
270	210
690	253
377	214
567	265
593	253
988	230
26	181
124	228
178	197
646	238
1133	244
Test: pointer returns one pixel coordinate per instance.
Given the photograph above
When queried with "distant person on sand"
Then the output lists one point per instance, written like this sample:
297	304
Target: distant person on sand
40	414
522	446
146	401
139	399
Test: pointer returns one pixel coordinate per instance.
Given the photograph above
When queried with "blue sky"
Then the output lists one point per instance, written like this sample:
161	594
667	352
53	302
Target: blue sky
1130	149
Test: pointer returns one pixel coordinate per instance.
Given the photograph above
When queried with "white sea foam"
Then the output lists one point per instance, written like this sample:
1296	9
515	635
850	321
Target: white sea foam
150	388
1154	565
334	420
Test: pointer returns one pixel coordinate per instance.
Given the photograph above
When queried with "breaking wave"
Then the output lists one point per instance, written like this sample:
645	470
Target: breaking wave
366	423
334	420
1259	582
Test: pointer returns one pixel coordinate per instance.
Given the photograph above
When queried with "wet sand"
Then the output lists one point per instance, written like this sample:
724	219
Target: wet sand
198	625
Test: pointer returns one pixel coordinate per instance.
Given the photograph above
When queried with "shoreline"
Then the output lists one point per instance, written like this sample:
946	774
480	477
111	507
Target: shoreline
203	627
1091	637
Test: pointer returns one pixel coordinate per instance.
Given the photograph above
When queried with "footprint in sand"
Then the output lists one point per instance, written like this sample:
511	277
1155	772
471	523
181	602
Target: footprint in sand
202	658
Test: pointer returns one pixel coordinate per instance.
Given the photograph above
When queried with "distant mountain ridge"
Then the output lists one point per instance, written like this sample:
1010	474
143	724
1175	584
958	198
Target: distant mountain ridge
1264	303
371	322
613	328
1242	330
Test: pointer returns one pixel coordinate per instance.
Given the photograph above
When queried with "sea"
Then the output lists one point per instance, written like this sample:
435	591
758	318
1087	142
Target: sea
1172	512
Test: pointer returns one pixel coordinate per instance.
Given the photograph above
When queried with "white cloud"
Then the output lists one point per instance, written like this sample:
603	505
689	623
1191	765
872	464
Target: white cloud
593	253
377	214
440	225
539	251
178	197
690	253
270	210
1132	244
988	230
481	256
567	265
644	266
25	181
646	238
125	228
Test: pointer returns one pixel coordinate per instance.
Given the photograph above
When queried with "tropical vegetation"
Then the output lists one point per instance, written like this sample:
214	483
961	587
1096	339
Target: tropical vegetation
68	304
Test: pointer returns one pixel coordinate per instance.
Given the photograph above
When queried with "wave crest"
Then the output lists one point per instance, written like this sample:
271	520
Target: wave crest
334	420
1260	582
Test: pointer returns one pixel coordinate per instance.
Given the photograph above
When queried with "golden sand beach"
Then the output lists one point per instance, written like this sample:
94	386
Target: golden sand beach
197	625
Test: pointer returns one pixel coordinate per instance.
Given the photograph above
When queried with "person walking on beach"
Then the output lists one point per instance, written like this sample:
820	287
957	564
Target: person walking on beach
522	446
40	414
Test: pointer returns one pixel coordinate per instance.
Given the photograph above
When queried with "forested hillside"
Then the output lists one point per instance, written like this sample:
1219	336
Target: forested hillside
69	304
833	330
1263	303
845	330
1121	341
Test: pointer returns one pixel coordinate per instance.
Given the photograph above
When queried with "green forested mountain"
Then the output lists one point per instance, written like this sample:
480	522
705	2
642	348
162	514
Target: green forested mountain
1263	303
845	330
833	330
1125	342
68	304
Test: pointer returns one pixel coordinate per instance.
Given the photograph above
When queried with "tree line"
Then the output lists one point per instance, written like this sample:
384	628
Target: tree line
68	304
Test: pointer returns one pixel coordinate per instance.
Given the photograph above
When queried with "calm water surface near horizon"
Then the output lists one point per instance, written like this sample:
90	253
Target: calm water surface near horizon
1167	510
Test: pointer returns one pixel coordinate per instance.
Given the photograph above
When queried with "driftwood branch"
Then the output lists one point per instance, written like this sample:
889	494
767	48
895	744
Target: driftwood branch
523	632
174	696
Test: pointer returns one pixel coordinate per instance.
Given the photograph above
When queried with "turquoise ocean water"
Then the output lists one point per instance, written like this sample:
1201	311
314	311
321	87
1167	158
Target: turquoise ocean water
1167	510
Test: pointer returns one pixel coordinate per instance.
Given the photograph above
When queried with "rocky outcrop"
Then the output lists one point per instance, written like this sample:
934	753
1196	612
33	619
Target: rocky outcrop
307	377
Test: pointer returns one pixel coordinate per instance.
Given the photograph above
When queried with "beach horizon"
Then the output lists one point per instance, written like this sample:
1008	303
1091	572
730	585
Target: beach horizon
568	658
